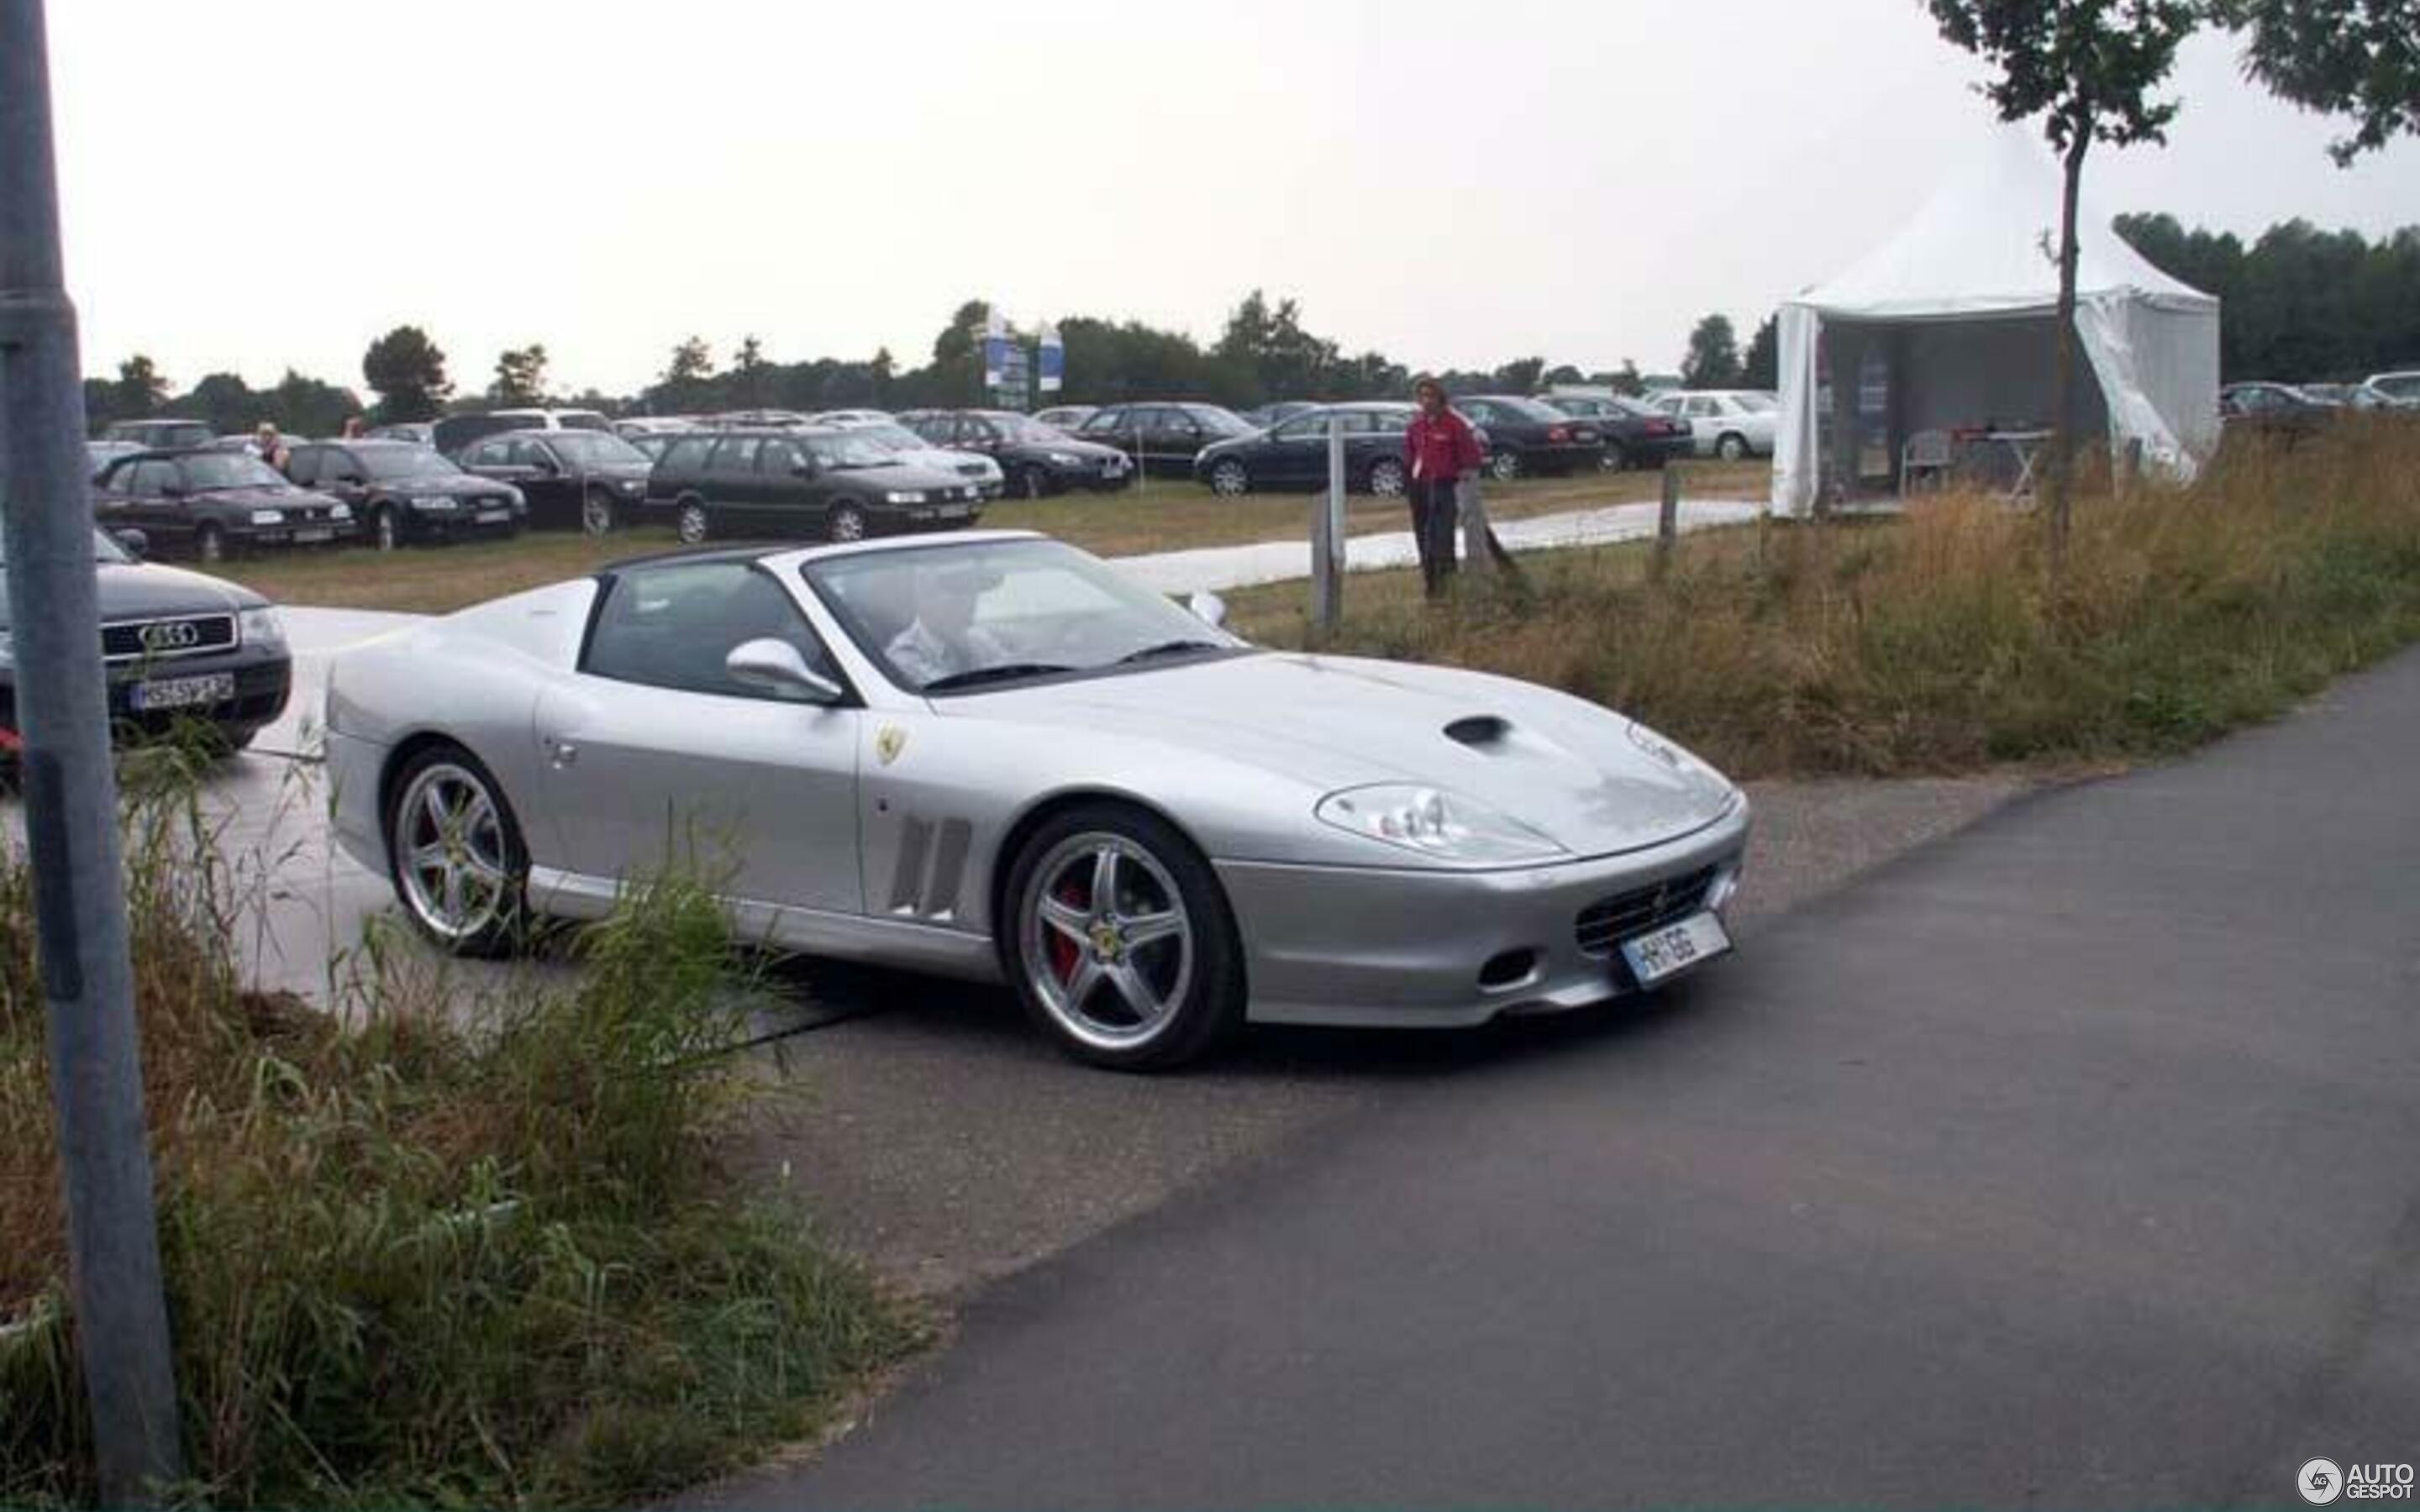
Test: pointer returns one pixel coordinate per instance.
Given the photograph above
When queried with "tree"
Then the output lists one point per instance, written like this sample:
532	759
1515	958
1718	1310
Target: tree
141	388
307	407
2090	68
688	380
2346	57
1763	368
407	371
749	374
1714	361
1564	373
1269	355
521	375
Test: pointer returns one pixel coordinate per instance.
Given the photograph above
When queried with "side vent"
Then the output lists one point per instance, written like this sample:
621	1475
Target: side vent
1478	731
907	879
948	870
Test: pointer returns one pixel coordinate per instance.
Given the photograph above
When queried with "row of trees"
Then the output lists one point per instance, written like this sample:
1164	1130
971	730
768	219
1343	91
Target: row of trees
1262	352
2299	303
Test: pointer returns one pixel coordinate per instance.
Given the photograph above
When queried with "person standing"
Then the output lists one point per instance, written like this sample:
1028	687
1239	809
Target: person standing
266	445
1439	451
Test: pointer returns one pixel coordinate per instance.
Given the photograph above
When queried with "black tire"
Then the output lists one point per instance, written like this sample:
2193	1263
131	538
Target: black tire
386	531
844	521
210	542
1386	478
1230	478
692	521
597	513
1505	465
504	928
1732	447
1032	483
1207	986
1614	459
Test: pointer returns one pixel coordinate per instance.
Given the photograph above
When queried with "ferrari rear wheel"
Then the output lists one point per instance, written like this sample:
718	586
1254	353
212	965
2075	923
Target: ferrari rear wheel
456	853
1119	940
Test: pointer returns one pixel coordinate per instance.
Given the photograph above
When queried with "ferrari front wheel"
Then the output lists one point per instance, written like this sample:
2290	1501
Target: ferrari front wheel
1120	941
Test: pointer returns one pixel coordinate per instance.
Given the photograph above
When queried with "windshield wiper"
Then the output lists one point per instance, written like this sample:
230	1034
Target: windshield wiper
1168	648
1005	671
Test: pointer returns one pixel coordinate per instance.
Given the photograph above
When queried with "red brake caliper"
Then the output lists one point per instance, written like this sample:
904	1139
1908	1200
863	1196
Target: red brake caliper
1063	949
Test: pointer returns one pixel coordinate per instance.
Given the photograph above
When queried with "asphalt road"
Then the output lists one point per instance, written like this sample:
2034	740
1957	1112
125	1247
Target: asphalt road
2073	1160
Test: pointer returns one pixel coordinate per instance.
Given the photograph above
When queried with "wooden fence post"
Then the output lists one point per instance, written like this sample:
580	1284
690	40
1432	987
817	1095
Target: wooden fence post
1668	521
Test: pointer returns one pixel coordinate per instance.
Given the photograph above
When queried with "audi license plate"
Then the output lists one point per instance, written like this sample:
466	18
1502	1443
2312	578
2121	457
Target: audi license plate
312	535
493	516
182	692
1675	948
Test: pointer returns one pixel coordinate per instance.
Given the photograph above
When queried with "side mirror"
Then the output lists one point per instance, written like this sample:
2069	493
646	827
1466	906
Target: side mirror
1209	609
544	466
134	542
776	667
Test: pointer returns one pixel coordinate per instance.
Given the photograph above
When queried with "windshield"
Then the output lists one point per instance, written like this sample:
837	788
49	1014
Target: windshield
1219	422
582	420
230	469
943	616
104	551
1532	409
897	437
596	449
406	462
1024	428
852	448
2397	385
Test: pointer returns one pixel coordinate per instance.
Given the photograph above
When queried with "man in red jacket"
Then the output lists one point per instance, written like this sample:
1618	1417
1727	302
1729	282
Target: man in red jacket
1439	451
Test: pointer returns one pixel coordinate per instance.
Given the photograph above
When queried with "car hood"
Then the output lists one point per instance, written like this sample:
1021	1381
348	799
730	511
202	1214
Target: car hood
903	475
147	591
1568	769
939	460
263	498
1089	451
469	486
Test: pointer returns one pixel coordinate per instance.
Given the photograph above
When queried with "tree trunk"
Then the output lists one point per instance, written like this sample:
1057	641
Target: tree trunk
2062	439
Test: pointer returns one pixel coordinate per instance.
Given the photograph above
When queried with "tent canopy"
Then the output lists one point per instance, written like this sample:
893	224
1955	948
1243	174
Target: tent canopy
1961	304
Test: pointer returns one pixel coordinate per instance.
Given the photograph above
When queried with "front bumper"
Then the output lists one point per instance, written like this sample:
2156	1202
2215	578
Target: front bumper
1560	456
263	681
1407	948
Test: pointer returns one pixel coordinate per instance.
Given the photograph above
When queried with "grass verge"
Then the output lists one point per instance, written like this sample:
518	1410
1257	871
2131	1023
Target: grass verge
1928	644
418	1258
1166	517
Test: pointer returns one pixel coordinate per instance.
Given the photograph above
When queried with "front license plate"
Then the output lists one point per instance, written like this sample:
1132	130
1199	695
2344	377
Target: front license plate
1675	948
307	537
182	692
494	517
953	510
1112	470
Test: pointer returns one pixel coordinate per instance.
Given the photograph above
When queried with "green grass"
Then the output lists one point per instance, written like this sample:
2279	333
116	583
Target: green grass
1930	644
439	1255
1164	516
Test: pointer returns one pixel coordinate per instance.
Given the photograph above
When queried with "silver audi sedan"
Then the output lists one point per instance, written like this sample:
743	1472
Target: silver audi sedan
994	756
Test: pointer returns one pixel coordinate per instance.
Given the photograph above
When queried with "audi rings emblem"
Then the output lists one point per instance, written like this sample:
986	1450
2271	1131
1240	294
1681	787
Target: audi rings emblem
175	635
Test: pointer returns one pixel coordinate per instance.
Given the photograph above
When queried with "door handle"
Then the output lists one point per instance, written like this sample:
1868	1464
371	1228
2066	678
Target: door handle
561	753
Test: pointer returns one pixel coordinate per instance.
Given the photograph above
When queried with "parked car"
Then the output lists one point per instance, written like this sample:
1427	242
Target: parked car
583	480
178	649
403	492
1262	417
208	504
1162	439
1153	832
418	432
845	417
455	433
637	426
99	454
2401	388
916	451
1064	417
158	434
653	444
1731	424
835	483
1526	436
1292	453
1036	459
2273	408
1636	434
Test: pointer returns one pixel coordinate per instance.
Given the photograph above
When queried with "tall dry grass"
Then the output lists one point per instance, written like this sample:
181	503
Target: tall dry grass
417	1255
1931	643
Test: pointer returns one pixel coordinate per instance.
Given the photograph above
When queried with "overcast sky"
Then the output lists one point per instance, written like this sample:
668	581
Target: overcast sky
250	184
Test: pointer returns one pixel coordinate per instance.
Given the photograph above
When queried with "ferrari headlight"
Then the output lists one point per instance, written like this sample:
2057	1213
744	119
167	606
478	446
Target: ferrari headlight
1436	823
263	627
905	496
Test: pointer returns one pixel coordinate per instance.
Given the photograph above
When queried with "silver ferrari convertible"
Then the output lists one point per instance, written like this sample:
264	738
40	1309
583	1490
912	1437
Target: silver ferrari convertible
996	757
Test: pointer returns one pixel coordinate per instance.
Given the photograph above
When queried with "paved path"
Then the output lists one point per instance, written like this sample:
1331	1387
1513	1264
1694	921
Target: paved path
2072	1161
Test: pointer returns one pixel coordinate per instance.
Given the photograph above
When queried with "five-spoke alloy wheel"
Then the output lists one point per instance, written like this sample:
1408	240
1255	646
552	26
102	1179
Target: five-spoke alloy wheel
1120	941
456	853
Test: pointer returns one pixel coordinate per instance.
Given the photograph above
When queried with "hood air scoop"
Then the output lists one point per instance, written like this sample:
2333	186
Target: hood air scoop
1478	730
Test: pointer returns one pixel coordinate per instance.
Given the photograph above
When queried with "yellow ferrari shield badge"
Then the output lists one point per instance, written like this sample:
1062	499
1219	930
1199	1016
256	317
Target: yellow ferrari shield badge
889	743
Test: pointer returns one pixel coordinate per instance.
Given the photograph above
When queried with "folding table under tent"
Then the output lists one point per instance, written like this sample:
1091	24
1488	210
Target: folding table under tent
1958	312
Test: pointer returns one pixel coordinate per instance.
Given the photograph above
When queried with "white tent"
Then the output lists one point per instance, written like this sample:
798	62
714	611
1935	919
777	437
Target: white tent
1951	324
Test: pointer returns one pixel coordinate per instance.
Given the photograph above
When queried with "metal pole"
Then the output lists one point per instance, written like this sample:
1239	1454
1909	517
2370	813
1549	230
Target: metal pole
1667	519
121	1314
1327	534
